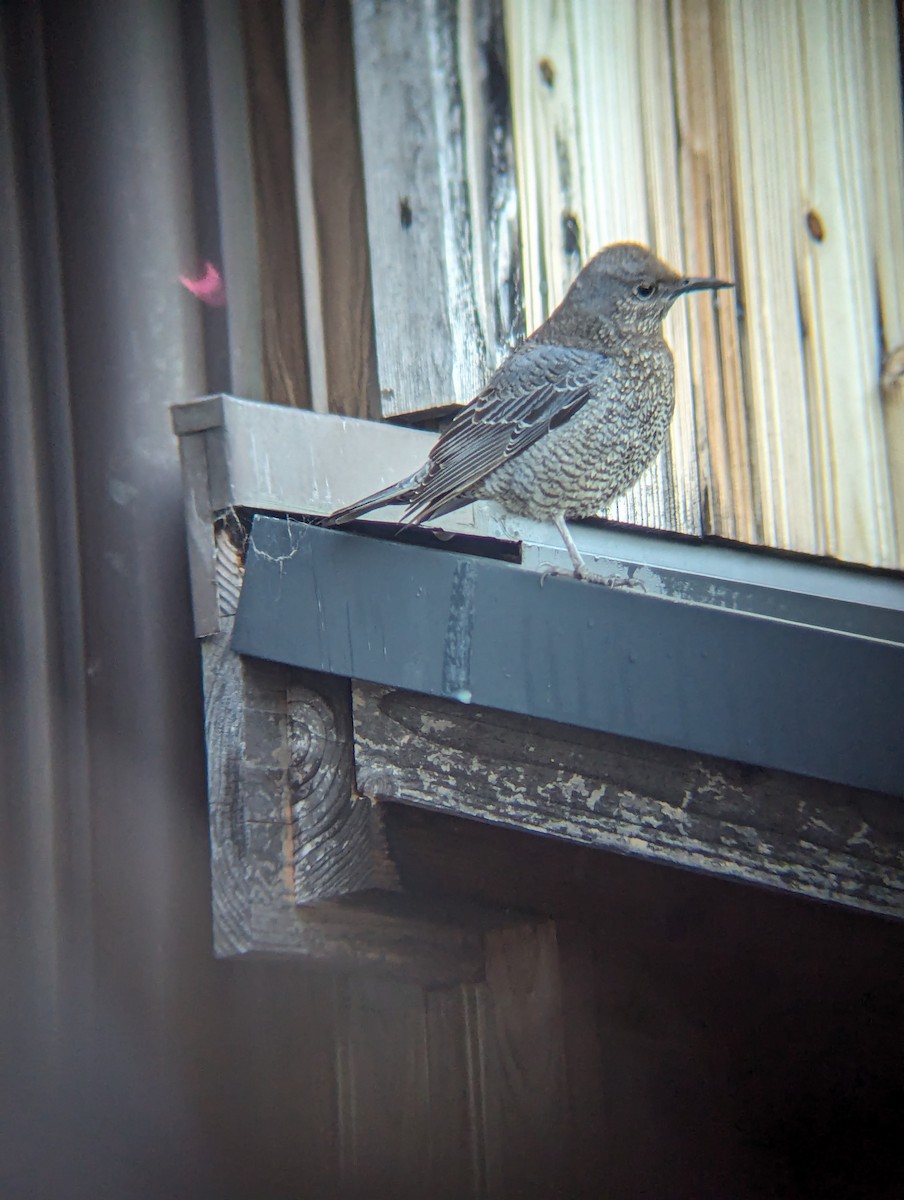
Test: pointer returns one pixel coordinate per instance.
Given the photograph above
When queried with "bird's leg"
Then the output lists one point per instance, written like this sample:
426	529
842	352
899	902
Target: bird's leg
574	553
580	568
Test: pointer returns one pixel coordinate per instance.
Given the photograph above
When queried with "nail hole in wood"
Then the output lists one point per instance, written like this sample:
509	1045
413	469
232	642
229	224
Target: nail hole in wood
815	226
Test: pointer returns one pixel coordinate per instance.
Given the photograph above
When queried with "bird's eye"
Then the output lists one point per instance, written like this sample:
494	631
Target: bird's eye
644	291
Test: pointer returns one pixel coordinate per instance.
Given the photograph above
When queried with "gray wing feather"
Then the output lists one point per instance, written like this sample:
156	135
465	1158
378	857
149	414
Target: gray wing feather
538	389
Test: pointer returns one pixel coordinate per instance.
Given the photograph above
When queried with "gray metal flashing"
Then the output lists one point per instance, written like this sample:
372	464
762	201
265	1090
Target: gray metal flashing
771	659
757	687
263	457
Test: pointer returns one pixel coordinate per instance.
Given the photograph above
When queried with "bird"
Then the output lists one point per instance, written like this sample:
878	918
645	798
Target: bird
572	417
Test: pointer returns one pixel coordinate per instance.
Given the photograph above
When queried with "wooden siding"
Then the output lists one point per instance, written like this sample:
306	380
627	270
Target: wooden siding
764	142
759	142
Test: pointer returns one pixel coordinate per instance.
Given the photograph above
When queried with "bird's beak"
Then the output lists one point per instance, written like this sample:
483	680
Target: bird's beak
700	285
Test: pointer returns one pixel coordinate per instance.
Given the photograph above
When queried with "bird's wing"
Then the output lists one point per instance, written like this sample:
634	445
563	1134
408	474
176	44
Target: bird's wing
538	389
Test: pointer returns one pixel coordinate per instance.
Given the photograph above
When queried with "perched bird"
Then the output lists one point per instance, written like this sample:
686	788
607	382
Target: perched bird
573	417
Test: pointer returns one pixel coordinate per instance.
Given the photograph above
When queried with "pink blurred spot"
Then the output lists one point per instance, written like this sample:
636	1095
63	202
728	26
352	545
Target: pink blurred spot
209	289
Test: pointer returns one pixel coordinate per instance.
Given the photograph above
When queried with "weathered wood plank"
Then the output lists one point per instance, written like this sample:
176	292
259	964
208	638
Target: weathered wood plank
759	47
767	827
440	197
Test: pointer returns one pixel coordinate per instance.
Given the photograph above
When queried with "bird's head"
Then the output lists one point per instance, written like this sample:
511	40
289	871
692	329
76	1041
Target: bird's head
627	290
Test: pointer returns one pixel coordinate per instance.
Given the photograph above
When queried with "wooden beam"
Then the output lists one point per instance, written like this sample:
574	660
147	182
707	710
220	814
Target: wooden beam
765	827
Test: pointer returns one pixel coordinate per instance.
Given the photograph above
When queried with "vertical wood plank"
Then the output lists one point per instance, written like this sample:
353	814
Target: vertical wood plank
807	244
456	1136
588	1121
838	294
893	402
541	74
728	506
762	51
303	172
337	221
282	312
523	1100
679	465
886	196
442	233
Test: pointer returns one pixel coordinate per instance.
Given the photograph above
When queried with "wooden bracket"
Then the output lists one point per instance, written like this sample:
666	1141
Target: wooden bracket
299	864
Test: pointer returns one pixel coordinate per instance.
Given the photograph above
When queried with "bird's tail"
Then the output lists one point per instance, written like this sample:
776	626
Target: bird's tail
396	493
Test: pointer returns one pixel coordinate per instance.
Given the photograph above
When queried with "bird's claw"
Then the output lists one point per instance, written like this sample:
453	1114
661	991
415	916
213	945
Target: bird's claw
551	569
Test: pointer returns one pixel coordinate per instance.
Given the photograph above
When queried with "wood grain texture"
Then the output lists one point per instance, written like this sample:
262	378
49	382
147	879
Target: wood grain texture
806	247
440	197
728	505
759	48
298	862
886	198
893	403
293	854
760	826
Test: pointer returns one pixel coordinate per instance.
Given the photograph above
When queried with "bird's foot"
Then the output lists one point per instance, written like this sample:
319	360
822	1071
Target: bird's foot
612	581
584	573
